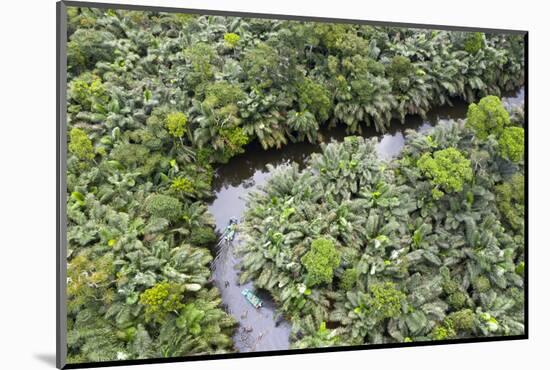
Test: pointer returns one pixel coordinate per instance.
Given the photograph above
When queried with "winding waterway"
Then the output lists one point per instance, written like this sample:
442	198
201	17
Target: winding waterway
259	329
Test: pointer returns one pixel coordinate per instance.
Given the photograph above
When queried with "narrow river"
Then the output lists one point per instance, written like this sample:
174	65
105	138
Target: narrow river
259	329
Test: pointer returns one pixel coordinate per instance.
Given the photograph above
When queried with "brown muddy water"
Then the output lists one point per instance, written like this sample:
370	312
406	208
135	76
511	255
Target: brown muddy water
259	329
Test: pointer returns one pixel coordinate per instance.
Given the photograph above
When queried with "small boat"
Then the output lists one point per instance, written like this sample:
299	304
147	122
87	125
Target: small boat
252	298
229	232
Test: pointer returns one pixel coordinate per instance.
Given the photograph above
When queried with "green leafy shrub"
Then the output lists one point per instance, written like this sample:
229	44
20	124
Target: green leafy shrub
89	92
349	278
190	319
511	201
88	275
449	285
385	300
222	93
261	65
203	236
162	299
463	320
447	168
482	284
520	268
130	155
341	40
315	98
176	123
323	337
81	145
129	70
202	60
88	46
164	206
457	300
236	139
443	332
400	68
305	124
183	184
511	143
487	117
231	40
474	42
320	261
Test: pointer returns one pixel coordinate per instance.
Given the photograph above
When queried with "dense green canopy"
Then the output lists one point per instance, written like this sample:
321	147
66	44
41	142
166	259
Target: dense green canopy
410	266
155	100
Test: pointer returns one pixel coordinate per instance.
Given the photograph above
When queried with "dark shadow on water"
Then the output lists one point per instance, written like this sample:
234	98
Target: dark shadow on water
244	170
46	358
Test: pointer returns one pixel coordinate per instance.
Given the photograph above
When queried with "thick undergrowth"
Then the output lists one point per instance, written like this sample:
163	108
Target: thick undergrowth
155	100
427	246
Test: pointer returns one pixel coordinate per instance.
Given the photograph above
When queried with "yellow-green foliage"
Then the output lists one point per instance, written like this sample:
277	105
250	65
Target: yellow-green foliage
340	39
474	42
88	91
443	332
487	117
385	300
457	300
81	145
447	169
76	19
176	123
89	280
520	268
183	184
511	201
231	39
162	299
236	139
320	261
463	320
511	143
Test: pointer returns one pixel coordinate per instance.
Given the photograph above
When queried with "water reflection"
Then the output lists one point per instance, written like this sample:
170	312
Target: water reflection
258	330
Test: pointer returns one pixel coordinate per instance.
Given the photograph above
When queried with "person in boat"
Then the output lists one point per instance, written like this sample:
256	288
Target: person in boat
230	230
252	298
